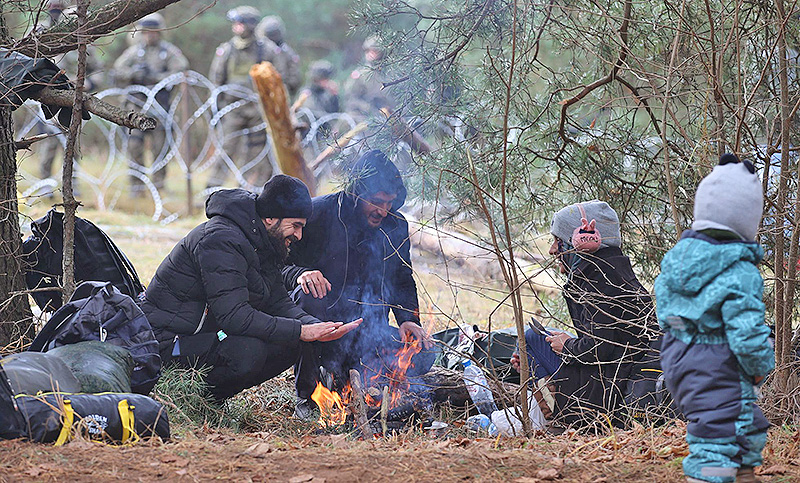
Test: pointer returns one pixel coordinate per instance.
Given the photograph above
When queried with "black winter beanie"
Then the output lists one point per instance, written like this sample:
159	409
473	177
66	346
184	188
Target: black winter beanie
284	197
375	172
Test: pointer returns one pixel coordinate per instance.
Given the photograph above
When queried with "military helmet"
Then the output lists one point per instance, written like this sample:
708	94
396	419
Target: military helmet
154	21
272	28
246	15
320	70
372	43
56	5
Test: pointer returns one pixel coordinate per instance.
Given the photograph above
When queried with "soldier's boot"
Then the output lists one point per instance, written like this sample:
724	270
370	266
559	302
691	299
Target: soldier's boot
262	172
746	474
136	157
47	154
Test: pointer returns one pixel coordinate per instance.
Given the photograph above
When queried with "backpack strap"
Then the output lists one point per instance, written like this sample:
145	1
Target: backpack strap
44	336
125	267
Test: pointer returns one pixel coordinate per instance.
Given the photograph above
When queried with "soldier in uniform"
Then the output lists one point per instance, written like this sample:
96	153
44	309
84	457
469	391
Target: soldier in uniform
68	62
231	65
322	90
287	63
364	92
147	63
322	95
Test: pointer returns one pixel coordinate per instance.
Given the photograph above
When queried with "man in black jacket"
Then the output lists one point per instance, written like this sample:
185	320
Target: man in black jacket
218	299
354	262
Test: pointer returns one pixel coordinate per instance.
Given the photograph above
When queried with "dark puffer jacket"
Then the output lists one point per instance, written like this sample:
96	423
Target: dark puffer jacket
229	265
369	269
615	321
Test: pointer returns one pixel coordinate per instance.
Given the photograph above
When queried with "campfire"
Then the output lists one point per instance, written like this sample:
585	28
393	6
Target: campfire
389	401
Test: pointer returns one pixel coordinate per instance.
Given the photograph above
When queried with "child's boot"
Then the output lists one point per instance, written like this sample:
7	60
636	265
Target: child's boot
746	475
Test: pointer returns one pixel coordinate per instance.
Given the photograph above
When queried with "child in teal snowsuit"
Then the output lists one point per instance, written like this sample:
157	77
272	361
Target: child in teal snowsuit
716	347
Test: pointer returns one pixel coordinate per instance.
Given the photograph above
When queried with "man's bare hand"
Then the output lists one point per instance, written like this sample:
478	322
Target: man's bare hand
515	361
317	332
557	341
409	330
342	330
314	283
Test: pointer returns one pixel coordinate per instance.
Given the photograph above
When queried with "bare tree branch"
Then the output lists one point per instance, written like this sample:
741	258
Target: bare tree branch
64	36
128	118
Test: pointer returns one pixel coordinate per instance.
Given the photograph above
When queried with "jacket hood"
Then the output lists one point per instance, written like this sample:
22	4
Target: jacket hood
374	172
697	259
239	206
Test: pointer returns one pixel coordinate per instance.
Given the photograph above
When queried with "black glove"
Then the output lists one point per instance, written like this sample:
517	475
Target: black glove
23	77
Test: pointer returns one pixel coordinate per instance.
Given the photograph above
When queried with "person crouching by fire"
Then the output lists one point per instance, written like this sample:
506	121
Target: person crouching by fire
218	299
354	262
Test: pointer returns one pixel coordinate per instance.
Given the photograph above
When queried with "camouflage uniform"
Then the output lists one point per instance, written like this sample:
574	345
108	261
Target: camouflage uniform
323	93
286	62
231	65
148	64
365	95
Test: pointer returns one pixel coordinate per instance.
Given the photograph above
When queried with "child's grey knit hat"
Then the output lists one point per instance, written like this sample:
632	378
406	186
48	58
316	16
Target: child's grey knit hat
730	198
568	218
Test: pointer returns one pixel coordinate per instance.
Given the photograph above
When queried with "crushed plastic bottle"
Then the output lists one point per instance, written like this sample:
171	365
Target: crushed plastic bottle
482	422
478	388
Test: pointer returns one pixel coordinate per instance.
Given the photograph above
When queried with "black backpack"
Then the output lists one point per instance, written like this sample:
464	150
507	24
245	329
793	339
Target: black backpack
98	311
11	423
97	258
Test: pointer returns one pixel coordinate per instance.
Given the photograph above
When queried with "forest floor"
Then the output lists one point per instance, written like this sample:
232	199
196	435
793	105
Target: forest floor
274	447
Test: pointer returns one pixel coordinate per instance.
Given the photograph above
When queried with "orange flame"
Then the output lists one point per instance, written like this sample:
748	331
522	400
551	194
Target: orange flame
331	407
398	382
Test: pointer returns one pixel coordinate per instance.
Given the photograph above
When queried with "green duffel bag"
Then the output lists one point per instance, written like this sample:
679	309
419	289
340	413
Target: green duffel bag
98	366
108	417
35	372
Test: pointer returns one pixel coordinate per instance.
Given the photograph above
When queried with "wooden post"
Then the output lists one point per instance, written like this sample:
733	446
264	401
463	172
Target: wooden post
275	108
357	404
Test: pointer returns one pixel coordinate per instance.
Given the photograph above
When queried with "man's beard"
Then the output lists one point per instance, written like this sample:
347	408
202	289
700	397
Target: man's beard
279	242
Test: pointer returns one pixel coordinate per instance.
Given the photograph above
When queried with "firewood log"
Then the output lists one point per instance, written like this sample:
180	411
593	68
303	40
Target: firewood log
359	405
448	386
268	83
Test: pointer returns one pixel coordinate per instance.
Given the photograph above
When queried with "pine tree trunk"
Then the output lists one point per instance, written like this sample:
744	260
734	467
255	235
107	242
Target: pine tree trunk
16	328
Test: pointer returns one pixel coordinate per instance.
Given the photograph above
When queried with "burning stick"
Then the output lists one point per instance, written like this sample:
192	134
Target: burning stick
384	409
357	402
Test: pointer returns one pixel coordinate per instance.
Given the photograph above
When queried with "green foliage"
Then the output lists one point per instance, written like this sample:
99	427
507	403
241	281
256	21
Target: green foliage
190	405
506	75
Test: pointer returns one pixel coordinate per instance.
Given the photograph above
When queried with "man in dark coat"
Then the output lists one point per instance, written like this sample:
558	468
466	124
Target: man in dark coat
354	262
612	315
218	299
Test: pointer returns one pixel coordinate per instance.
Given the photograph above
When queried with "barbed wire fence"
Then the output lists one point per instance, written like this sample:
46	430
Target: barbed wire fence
194	139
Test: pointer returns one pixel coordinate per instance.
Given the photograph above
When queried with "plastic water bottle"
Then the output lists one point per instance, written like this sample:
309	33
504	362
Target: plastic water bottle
482	422
478	388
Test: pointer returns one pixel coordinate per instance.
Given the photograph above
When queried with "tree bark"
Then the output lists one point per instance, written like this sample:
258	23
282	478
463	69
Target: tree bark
70	203
16	329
